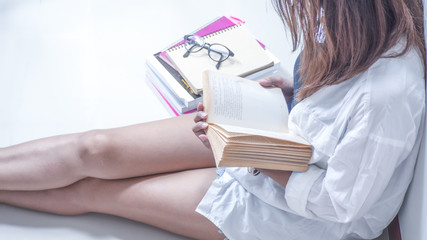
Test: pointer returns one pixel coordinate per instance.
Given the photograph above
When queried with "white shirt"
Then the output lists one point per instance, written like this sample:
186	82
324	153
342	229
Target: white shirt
365	134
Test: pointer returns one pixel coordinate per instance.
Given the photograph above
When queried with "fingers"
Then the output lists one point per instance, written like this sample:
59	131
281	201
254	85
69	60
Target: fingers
200	107
201	125
200	115
199	130
286	84
274	81
205	140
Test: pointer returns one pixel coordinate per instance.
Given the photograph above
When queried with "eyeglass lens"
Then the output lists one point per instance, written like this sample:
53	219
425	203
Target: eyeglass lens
216	51
194	43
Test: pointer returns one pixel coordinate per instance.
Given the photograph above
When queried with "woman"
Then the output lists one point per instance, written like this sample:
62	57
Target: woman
360	104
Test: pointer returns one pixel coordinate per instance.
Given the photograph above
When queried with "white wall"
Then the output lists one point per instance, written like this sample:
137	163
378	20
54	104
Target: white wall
413	215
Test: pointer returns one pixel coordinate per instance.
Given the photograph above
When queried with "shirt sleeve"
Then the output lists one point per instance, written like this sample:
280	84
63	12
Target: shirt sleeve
378	138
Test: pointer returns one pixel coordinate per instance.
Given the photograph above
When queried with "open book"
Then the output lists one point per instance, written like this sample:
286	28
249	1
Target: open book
248	125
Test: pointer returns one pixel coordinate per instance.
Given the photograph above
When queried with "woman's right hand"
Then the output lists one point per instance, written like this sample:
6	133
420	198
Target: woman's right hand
201	125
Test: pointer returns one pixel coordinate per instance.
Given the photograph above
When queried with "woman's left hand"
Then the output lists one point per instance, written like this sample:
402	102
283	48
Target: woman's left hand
286	84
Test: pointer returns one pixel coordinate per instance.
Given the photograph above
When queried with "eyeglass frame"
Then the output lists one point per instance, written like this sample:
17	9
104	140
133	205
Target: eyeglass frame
207	46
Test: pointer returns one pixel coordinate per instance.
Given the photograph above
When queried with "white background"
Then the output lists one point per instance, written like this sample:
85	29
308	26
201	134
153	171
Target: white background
75	65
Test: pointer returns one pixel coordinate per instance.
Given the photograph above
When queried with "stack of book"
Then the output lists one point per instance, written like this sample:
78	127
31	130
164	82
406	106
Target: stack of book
177	80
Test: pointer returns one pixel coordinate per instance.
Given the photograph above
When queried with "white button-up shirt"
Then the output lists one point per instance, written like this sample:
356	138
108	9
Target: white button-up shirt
365	134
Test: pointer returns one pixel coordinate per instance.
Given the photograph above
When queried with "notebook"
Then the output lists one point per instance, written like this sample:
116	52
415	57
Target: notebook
249	56
216	25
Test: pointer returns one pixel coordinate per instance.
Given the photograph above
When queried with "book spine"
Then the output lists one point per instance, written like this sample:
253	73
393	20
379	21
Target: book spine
175	74
177	106
177	88
167	79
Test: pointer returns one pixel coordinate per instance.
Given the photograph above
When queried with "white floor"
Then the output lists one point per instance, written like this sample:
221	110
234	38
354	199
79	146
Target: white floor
75	65
19	224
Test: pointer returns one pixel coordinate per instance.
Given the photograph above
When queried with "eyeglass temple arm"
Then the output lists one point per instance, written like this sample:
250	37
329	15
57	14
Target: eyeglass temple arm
219	62
189	51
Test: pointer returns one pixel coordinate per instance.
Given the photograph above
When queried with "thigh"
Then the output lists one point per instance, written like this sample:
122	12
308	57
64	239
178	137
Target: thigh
167	201
149	148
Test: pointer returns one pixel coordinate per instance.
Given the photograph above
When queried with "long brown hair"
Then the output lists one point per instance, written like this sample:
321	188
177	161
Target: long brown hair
357	33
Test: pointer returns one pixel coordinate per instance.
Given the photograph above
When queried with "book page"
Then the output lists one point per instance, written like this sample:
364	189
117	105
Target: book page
234	102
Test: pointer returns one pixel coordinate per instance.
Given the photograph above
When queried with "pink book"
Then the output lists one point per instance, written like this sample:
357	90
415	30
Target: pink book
214	26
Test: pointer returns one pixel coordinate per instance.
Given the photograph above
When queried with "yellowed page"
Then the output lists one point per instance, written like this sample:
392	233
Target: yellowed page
234	101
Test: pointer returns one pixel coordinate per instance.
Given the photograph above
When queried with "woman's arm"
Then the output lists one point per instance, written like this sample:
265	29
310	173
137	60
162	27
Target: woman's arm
279	176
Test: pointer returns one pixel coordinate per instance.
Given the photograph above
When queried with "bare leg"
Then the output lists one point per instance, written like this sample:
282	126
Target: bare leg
166	201
149	148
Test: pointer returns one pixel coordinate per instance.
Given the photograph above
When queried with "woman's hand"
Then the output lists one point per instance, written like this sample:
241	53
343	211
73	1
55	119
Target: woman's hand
286	84
201	125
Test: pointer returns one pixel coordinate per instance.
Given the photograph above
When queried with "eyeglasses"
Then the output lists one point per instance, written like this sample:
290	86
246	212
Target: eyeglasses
217	52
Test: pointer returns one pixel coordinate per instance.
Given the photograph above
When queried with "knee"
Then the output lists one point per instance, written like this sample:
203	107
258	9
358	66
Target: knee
95	146
75	199
84	196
